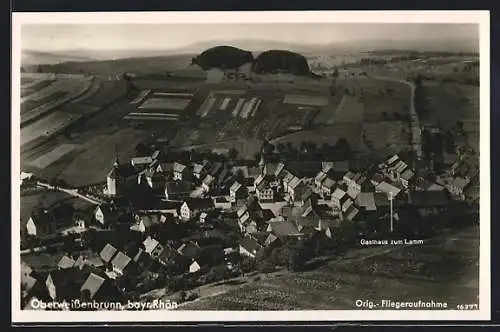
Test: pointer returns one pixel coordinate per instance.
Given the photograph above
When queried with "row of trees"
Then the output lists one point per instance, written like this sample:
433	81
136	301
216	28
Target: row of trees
306	151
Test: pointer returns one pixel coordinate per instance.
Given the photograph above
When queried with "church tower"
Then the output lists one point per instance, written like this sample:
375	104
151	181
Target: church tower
114	180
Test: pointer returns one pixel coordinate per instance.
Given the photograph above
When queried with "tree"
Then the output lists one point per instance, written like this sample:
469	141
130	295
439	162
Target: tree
233	154
343	147
335	73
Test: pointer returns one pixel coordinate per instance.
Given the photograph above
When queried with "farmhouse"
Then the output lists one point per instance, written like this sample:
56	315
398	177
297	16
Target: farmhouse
339	197
181	172
199	171
264	191
152	247
64	284
178	190
193	206
41	223
249	247
208	183
165	168
237	191
107	253
65	262
119	178
145	223
121	263
98	288
107	214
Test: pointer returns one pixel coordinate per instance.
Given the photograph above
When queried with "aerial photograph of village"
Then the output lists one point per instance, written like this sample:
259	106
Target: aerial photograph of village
315	166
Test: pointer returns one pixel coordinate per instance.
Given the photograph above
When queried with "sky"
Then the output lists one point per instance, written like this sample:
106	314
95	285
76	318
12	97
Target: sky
57	37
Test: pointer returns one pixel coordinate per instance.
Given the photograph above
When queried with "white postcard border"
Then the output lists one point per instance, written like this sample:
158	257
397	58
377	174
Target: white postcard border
479	17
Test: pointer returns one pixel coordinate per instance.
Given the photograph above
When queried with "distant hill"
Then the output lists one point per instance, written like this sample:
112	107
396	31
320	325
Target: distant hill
33	58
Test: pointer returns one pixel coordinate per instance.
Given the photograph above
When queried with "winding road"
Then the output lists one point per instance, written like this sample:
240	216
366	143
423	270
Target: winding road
416	138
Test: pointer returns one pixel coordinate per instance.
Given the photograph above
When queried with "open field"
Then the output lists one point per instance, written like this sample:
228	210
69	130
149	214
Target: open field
165	103
43	101
441	270
54	155
449	102
385	136
328	112
349	111
47	126
89	164
139	65
329	134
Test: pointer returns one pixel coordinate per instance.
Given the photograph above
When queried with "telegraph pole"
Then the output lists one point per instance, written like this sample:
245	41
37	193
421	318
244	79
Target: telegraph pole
390	200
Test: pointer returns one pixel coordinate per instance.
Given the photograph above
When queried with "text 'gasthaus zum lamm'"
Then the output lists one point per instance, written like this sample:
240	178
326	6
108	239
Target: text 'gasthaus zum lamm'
365	242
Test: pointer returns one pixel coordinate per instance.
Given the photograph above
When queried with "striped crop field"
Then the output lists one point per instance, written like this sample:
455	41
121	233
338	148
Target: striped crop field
165	103
54	155
305	100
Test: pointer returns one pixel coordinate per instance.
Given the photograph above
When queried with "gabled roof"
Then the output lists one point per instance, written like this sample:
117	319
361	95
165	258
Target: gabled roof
328	183
381	199
235	186
283	228
294	182
141	160
408	174
253	172
178	187
66	262
189	249
337	166
216	168
178	167
199	203
392	159
326	223
150	220
43	217
208	180
241	211
263	185
250	244
107	252
353	193
367	201
243	169
165	167
121	260
93	284
150	244
259	179
351	212
270	168
279	168
288	177
320	177
198	168
338	194
388	188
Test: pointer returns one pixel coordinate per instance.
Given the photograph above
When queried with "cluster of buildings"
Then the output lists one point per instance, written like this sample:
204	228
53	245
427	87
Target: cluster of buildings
206	214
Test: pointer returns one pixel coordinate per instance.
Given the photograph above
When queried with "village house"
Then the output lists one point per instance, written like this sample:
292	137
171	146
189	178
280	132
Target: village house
336	169
166	169
152	247
182	172
121	264
366	201
304	169
264	191
283	229
145	223
406	177
65	262
209	217
200	171
178	190
222	203
42	223
339	197
107	253
237	191
98	288
301	194
208	183
388	188
64	284
194	206
107	215
291	186
429	203
89	259
249	247
140	162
